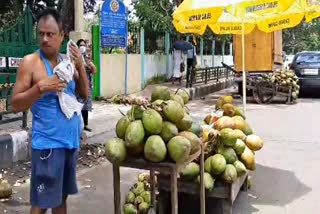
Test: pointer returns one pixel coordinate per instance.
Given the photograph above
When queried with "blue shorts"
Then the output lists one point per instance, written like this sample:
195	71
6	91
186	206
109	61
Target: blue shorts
53	176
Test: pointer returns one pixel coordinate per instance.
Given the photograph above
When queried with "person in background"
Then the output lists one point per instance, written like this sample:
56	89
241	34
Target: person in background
178	65
90	70
191	55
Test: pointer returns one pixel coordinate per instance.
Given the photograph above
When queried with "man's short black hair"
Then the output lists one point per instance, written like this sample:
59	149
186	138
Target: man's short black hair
54	13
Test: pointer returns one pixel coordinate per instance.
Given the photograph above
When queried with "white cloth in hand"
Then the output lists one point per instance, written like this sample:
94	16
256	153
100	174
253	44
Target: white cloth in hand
65	71
69	105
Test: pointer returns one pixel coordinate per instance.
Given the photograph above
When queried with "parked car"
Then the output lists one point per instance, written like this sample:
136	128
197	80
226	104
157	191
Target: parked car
306	65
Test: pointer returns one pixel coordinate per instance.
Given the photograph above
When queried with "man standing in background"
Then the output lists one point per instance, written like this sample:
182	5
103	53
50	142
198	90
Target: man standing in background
191	56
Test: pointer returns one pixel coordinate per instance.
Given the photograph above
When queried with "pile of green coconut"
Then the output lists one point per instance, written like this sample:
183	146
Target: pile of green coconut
158	130
138	199
285	78
231	152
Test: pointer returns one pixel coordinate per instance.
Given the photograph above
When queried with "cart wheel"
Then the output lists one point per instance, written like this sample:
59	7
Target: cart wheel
264	92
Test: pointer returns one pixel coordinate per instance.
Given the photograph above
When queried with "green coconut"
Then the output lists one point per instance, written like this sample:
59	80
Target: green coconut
179	148
215	164
239	147
184	94
194	140
134	134
240	168
115	150
146	195
196	129
135	113
169	130
173	111
230	174
208	181
228	153
160	93
152	121
129	209
144	208
177	98
130	197
185	123
122	126
155	149
191	171
228	137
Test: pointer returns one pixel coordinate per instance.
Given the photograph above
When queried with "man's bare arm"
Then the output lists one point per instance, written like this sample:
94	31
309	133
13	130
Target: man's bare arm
24	94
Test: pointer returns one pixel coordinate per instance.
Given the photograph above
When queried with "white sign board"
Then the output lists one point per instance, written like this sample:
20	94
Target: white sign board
3	63
14	62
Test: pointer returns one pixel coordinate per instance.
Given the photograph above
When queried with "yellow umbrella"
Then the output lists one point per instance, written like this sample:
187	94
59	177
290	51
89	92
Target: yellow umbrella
313	8
204	12
195	29
229	23
242	17
201	12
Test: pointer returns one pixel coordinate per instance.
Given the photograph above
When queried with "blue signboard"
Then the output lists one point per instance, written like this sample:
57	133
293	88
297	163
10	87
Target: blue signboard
113	24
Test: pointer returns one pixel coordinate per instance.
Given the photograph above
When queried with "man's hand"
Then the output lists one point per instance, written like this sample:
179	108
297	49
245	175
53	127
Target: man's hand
51	84
76	57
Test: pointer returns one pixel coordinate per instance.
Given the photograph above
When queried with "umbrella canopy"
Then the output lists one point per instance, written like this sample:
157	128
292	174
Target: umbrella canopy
231	21
182	45
241	17
200	12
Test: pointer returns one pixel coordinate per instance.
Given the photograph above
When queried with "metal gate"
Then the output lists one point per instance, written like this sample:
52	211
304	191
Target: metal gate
16	42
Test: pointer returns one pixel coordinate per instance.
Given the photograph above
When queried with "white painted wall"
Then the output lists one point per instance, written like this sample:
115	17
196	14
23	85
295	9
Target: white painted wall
207	60
113	70
113	74
156	64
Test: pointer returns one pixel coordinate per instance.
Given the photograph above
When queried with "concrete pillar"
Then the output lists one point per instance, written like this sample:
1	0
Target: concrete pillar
142	54
231	49
78	32
201	51
223	49
78	15
167	52
213	50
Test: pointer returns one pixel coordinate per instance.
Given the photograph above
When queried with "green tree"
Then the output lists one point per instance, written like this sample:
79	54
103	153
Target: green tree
304	37
155	17
10	10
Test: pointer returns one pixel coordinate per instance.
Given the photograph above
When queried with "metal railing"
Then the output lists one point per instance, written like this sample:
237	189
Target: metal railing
204	75
8	69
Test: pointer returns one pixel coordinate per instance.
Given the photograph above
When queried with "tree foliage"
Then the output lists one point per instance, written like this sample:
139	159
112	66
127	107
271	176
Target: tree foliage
154	15
10	10
302	38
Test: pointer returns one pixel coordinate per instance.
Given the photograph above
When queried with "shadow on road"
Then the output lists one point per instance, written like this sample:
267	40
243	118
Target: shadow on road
272	186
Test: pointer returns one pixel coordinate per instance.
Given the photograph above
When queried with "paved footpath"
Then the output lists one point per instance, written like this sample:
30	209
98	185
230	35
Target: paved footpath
285	181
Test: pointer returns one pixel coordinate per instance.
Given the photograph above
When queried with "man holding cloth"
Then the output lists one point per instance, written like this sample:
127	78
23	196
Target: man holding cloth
55	138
